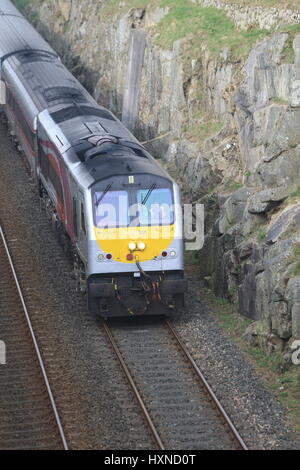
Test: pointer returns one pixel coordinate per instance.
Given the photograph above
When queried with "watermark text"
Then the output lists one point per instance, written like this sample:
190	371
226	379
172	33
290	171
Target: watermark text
2	353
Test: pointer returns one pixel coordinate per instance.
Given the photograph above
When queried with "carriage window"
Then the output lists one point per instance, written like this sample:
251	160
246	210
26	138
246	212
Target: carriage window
111	209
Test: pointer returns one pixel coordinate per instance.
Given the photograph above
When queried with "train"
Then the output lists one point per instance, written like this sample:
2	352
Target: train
111	204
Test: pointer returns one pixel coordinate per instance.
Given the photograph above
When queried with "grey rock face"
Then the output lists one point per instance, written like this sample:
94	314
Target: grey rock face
293	289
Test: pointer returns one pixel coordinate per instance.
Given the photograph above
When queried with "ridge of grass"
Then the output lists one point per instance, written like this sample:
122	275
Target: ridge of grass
207	25
281	4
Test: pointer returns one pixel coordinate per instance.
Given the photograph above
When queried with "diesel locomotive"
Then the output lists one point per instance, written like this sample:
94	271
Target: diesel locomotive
109	200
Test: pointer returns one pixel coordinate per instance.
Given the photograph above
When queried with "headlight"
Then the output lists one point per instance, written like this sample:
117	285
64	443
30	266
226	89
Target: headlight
132	246
141	246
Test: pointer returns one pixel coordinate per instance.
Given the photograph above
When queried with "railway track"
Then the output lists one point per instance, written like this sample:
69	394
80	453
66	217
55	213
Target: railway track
178	405
28	414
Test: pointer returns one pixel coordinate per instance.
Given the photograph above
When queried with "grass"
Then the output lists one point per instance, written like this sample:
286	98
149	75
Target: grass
288	53
296	257
234	187
261	233
21	3
295	194
201	131
203	25
232	322
285	385
272	362
291	4
290	231
113	7
280	101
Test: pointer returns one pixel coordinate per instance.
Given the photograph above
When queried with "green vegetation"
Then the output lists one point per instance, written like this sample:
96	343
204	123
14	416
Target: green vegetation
201	131
221	301
113	7
204	25
296	258
292	4
288	53
21	3
290	231
272	362
280	101
234	187
261	233
296	193
231	321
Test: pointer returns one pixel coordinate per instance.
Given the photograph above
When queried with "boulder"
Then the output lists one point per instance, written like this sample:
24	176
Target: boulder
265	200
250	334
283	222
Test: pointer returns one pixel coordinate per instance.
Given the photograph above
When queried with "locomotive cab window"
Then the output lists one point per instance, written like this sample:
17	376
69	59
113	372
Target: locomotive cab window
156	206
111	209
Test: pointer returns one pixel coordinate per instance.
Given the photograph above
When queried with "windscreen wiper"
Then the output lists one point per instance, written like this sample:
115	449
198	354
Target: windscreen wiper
148	193
104	193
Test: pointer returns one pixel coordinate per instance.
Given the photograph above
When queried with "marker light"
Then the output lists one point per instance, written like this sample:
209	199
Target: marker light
132	246
100	257
108	256
164	254
173	253
130	257
141	246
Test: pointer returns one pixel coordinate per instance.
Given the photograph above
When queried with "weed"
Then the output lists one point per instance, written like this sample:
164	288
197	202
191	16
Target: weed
296	194
261	233
21	3
201	131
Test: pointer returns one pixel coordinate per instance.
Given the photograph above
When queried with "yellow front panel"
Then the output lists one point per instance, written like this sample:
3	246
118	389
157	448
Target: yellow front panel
116	240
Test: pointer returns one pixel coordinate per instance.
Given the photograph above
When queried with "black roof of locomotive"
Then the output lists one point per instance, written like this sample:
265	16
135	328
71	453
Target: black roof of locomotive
124	158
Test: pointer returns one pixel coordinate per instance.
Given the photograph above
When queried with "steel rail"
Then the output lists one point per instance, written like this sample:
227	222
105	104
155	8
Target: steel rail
232	429
133	387
36	347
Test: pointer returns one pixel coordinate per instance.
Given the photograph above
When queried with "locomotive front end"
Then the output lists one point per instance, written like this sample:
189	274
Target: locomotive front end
136	251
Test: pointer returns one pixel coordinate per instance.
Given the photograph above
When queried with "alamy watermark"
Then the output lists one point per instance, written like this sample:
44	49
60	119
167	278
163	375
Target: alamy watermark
2	92
153	221
193	226
296	352
2	353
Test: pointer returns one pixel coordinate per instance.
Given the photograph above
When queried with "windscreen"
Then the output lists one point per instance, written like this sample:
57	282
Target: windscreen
144	207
